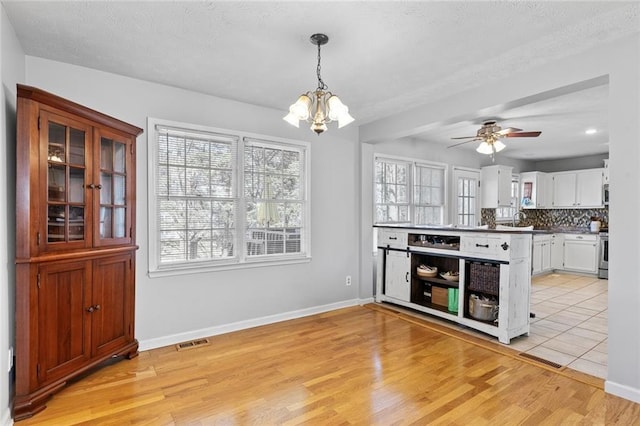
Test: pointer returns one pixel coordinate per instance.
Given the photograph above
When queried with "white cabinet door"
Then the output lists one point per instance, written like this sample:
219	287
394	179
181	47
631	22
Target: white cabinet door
589	188
564	190
533	190
536	258
541	255
398	275
495	184
580	188
546	257
581	253
557	251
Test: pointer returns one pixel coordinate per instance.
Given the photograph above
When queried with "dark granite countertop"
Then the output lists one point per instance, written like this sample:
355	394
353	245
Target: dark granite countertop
542	230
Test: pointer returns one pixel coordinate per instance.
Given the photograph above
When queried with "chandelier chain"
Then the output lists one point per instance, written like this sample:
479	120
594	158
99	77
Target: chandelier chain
321	84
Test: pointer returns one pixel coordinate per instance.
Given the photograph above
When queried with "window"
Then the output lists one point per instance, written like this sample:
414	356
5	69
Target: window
408	192
392	191
504	214
466	197
221	198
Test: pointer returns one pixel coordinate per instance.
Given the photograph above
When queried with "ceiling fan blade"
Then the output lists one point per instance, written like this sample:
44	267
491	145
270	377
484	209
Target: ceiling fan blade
465	137
462	143
523	135
509	130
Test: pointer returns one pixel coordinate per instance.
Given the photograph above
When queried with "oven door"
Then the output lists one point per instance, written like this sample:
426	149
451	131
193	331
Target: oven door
603	265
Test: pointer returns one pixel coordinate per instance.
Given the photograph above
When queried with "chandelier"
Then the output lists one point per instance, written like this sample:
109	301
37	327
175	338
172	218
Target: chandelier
320	106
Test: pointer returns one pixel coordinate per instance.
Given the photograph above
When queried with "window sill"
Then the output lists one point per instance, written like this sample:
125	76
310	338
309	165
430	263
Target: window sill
188	269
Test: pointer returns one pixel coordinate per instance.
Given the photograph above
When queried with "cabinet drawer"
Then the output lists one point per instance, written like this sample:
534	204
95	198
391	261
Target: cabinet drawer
485	246
581	237
392	238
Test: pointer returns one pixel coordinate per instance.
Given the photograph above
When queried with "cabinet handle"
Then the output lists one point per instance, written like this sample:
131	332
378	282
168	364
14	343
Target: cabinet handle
93	308
90	309
99	186
504	246
482	245
393	238
406	277
91	186
97	307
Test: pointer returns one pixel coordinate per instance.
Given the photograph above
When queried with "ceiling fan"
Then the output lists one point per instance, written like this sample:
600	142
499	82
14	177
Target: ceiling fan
490	134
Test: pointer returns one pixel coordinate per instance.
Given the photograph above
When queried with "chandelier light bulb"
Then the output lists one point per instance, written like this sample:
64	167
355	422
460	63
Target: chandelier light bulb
301	108
292	119
499	146
484	148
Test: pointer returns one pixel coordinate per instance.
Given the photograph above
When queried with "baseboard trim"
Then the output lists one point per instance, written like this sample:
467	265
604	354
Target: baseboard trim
173	339
623	391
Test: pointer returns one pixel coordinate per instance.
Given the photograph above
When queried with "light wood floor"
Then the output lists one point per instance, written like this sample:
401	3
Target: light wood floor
355	366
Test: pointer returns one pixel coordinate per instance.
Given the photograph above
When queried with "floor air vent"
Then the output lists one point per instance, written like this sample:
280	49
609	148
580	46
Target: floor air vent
192	344
540	360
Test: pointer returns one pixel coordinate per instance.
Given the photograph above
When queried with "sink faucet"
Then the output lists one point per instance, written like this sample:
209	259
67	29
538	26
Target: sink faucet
518	213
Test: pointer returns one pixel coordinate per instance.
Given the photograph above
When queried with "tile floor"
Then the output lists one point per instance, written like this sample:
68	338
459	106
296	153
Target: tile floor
570	327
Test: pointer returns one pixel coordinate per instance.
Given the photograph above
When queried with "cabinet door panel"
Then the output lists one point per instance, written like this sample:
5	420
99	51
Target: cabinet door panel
114	206
589	188
397	279
112	318
564	190
63	321
580	256
65	171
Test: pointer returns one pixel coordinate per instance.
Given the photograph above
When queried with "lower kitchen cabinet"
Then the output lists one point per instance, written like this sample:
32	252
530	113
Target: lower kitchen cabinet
581	253
541	254
557	251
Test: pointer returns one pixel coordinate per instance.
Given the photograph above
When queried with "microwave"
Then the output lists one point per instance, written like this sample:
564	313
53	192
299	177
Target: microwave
605	194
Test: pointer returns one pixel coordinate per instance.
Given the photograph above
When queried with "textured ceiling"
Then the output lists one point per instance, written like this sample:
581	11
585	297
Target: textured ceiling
382	56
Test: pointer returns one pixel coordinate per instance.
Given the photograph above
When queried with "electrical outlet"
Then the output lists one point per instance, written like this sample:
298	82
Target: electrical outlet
348	280
10	361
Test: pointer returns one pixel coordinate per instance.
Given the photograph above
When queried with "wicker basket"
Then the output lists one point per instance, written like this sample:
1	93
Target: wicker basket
484	277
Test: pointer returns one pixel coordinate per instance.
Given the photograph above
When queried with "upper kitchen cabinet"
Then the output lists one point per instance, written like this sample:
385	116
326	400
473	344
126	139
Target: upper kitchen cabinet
578	189
495	185
535	190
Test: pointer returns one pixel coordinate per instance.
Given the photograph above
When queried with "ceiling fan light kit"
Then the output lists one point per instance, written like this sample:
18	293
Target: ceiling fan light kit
320	106
490	134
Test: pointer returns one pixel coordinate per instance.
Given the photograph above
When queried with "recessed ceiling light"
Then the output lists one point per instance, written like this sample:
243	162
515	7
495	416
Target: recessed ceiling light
591	131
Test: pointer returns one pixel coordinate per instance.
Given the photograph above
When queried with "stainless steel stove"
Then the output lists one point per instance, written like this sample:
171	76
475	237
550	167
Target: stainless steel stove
603	263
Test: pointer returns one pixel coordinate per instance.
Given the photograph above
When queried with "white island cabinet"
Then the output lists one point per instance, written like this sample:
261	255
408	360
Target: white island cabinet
488	284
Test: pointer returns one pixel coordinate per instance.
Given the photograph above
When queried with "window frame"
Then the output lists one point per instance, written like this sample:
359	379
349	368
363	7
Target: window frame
515	202
241	258
411	196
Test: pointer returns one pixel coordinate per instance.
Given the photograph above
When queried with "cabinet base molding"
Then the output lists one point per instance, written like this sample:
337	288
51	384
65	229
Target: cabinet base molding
27	405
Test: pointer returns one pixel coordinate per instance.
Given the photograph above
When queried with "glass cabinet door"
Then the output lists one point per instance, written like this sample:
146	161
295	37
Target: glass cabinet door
67	144
114	209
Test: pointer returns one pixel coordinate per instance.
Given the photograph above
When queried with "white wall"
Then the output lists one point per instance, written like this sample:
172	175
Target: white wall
578	163
621	62
12	71
172	309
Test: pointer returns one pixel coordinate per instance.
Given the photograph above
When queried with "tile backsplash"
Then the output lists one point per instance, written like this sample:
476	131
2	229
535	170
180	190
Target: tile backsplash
551	218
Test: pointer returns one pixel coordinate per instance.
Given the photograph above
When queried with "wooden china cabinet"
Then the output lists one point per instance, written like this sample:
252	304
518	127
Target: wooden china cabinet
75	244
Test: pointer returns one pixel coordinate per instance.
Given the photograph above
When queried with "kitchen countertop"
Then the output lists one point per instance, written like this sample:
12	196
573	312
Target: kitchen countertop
542	230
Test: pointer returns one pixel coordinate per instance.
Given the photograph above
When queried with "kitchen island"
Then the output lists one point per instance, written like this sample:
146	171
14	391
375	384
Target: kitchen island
483	276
